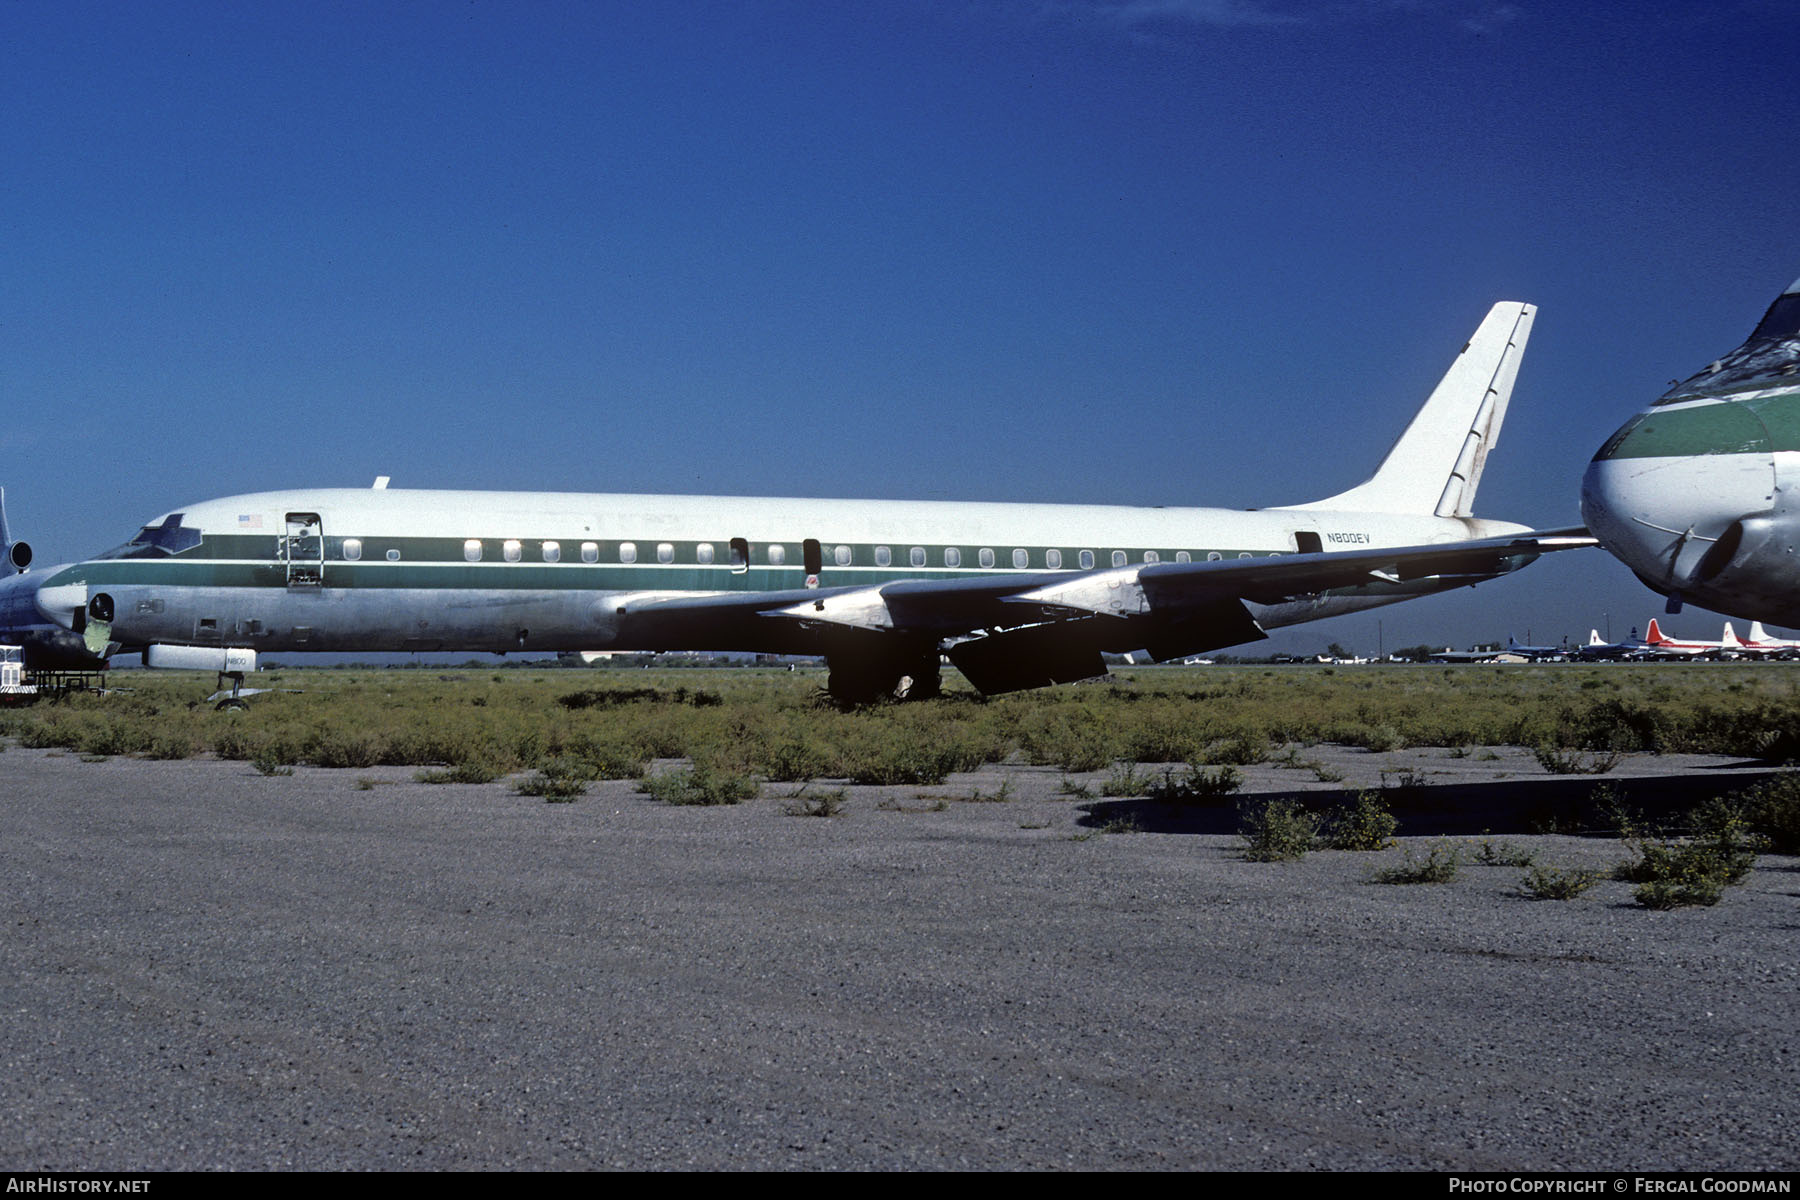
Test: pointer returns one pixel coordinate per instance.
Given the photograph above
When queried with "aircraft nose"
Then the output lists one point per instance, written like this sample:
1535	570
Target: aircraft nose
1621	509
58	603
1668	485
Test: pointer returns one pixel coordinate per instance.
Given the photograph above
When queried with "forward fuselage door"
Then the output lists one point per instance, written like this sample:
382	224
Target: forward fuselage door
303	551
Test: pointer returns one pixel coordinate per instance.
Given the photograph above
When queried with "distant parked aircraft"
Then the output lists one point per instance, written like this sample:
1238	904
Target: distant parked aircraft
44	643
1759	644
1535	653
1596	649
1661	645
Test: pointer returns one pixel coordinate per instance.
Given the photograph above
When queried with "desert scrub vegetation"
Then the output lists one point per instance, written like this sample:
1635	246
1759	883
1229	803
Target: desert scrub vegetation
557	781
1558	761
827	802
772	723
1490	853
1771	811
1363	823
1276	830
1196	784
1544	882
700	785
1439	865
466	772
1695	870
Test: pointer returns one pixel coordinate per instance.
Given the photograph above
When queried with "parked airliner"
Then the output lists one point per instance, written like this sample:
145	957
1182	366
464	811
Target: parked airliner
1759	644
1699	494
1660	645
1015	595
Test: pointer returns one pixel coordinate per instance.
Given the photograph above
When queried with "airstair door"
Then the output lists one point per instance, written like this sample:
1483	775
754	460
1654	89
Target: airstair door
303	551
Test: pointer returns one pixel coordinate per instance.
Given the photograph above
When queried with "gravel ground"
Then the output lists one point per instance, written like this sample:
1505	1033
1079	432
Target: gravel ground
206	968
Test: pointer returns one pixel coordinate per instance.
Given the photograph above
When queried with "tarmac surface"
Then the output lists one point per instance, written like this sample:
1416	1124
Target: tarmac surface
207	968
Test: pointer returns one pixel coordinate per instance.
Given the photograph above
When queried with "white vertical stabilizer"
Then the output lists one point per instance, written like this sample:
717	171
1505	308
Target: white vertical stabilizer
1436	465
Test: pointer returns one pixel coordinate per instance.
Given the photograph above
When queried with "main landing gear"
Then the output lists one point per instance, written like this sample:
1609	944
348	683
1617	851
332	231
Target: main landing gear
866	679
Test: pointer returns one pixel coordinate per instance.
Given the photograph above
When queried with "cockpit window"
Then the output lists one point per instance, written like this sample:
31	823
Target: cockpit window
159	541
1783	318
1770	358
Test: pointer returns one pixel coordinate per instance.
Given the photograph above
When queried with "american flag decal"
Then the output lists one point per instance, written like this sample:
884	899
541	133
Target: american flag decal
249	520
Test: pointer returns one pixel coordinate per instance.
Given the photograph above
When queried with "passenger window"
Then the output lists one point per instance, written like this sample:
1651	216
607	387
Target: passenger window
703	554
952	556
1183	556
627	552
841	556
1021	558
1213	556
1245	554
916	556
1053	559
883	556
472	550
1118	558
1151	557
777	555
665	552
1086	559
552	552
590	552
986	556
352	549
393	556
510	550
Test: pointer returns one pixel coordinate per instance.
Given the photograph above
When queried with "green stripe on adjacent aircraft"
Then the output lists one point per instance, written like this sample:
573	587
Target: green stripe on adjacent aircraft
1765	425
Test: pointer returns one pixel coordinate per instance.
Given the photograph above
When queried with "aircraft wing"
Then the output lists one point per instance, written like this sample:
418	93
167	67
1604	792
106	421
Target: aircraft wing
1026	629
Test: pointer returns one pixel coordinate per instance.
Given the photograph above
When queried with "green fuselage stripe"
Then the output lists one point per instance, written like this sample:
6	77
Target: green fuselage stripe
1764	425
241	561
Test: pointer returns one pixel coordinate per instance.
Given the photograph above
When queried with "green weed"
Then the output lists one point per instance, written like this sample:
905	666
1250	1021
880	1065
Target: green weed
1490	853
1276	830
1125	780
1558	883
999	795
1772	810
1199	785
466	772
273	760
1676	873
1439	865
1558	761
701	786
828	803
1365	823
559	781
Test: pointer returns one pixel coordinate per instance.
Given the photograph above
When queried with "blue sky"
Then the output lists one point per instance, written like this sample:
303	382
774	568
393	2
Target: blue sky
1157	251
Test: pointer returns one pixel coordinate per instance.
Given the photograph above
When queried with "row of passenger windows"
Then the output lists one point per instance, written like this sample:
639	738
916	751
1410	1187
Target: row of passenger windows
513	550
776	555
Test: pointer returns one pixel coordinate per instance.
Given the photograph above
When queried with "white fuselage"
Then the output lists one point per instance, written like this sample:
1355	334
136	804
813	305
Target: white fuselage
369	569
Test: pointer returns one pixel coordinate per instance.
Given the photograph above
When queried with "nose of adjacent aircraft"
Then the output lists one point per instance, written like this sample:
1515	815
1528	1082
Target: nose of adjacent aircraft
1687	495
1666	486
1700	493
